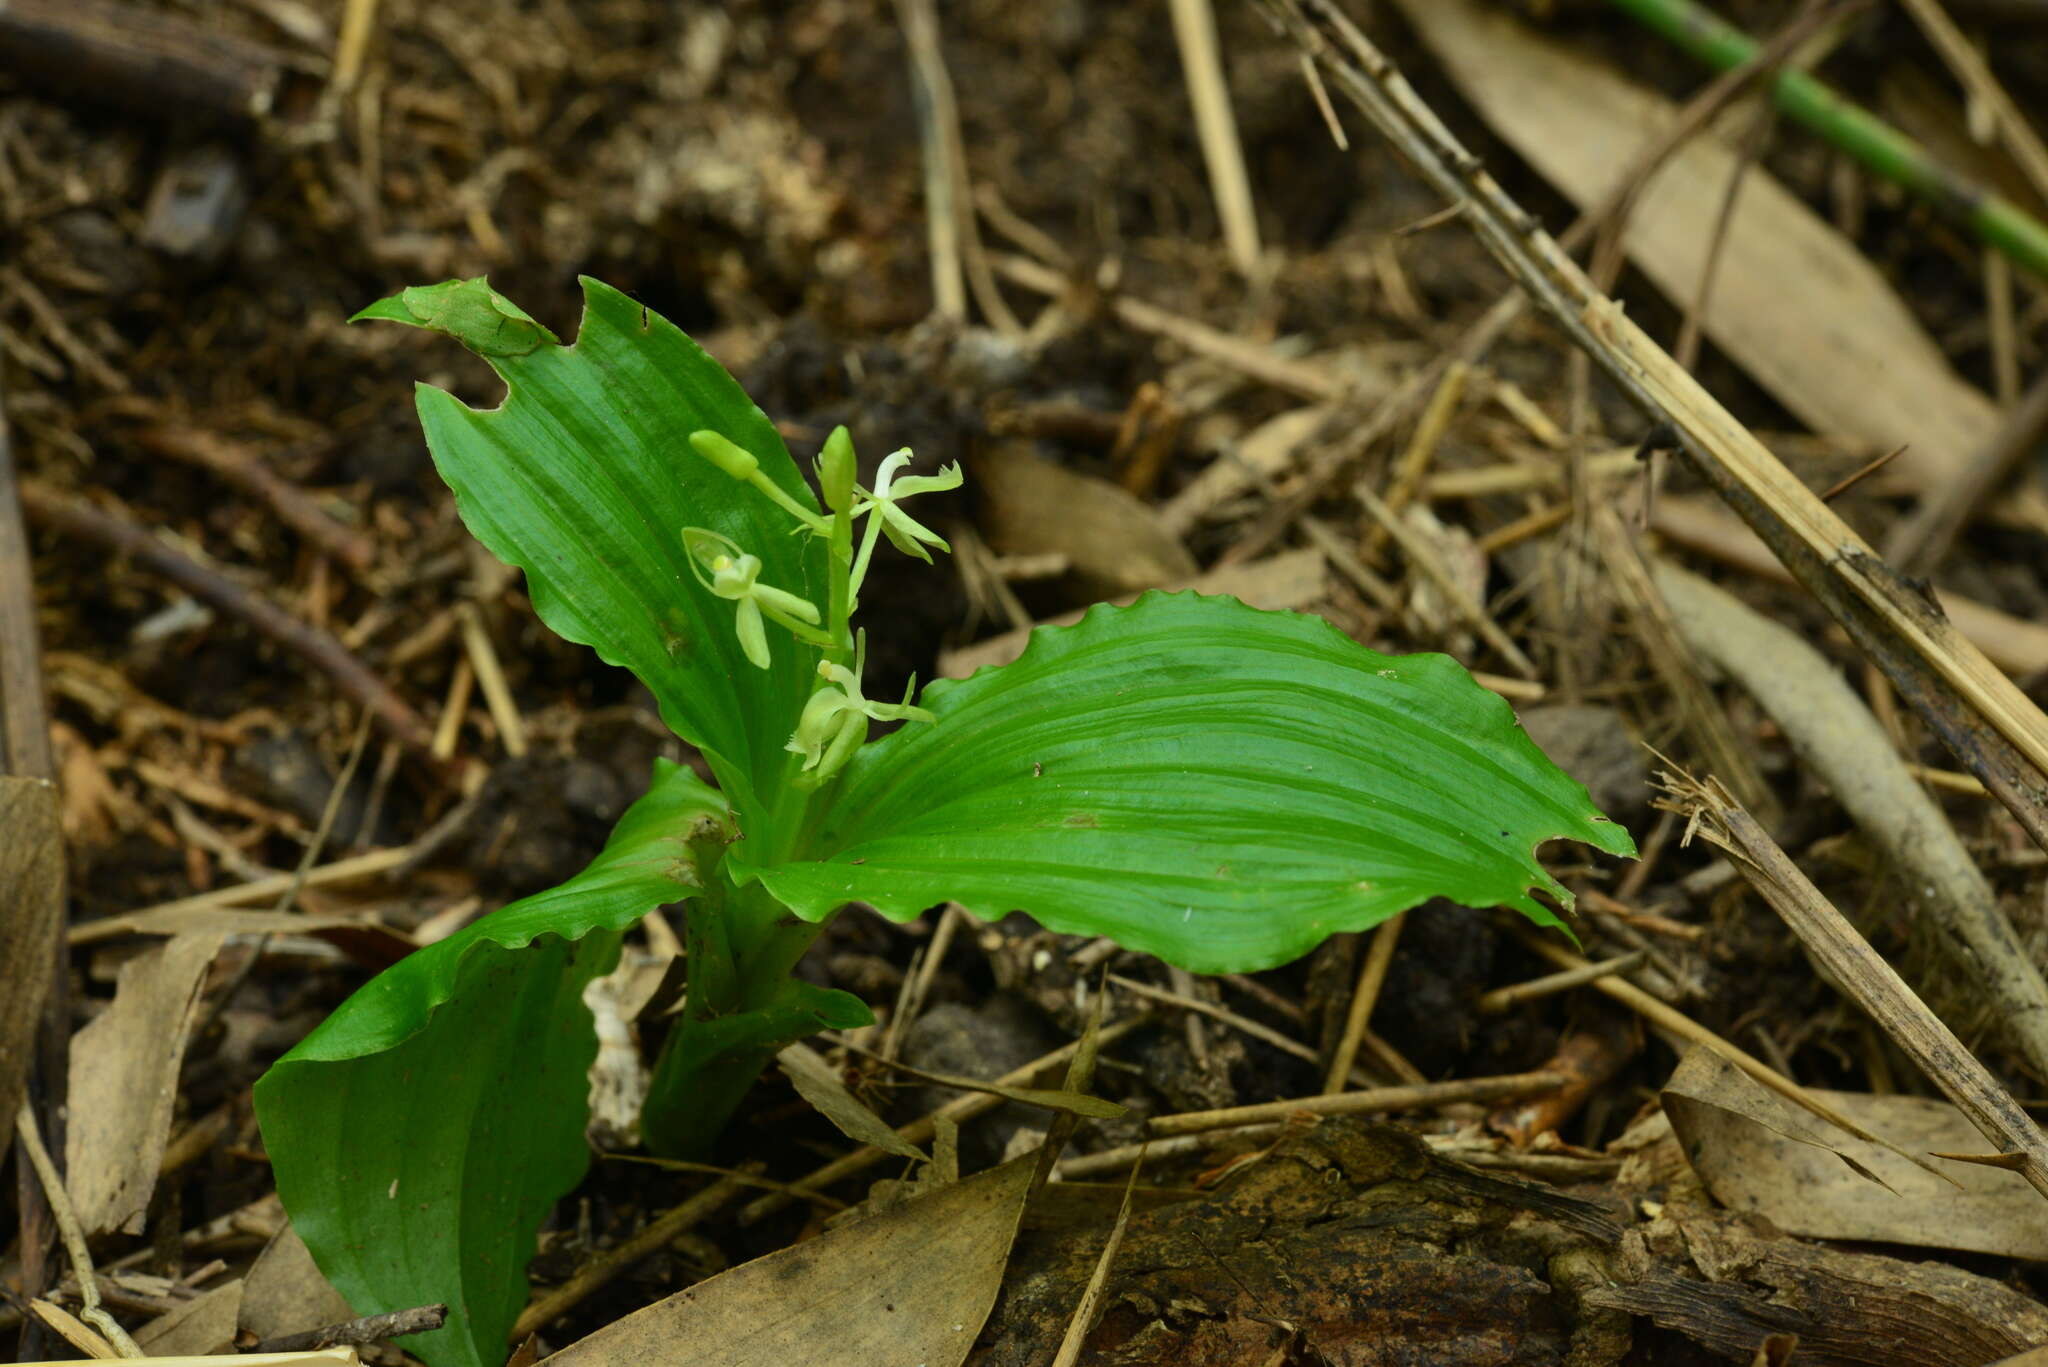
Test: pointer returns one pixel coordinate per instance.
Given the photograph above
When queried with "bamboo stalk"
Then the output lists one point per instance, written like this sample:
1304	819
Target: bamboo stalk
1709	38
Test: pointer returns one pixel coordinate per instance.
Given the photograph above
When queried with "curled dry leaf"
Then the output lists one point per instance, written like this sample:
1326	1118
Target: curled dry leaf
818	1084
1115	542
124	1080
1755	1152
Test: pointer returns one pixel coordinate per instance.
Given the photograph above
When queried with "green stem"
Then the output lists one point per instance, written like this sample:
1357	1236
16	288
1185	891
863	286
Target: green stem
742	1007
782	499
1880	147
839	607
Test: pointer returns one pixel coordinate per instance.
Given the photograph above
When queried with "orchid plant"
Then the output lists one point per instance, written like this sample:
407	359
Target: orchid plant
1219	786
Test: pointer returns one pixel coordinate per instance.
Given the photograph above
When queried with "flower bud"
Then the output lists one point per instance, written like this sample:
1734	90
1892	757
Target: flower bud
836	470
726	454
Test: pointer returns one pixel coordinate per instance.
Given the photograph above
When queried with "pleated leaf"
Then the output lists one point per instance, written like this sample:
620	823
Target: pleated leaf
1216	785
585	479
422	1133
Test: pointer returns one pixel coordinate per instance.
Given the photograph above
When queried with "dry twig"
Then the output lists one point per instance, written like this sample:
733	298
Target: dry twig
78	518
1861	972
1997	732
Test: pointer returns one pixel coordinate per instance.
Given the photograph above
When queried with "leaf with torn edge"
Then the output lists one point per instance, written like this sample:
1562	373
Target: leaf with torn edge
1755	1152
1222	787
908	1287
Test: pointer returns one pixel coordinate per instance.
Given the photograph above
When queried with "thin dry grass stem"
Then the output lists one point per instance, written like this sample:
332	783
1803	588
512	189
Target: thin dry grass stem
1843	743
1976	77
1676	1023
1020	230
1194	29
1921	542
363	1329
958	260
1080	1077
1473	344
1407	1097
2002	327
490	675
1372	976
920	1131
1524	528
1864	975
1102	1162
454	709
1550	984
1858	475
918	986
1303	378
288	896
942	227
323	1357
358	25
352	869
1421	556
1981	715
1948	780
1522	476
29	1137
1702	715
1599	903
608	1265
1098	1282
1321	96
1413	465
2015	644
745	1177
1241	1024
1687	349
1341	559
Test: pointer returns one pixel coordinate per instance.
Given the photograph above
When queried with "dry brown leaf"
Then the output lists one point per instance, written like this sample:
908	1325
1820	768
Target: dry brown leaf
1756	1153
1114	541
124	1080
910	1287
1795	303
31	918
817	1082
201	1326
286	1293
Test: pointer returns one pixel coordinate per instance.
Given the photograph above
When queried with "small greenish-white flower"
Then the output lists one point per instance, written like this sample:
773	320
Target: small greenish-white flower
886	518
835	721
729	572
905	533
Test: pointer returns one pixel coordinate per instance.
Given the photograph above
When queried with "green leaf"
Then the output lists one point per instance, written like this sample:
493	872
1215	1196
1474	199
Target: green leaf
422	1133
1218	786
585	479
470	311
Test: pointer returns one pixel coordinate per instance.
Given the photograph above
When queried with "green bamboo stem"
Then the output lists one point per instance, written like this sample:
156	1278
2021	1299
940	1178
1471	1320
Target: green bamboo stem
1880	147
